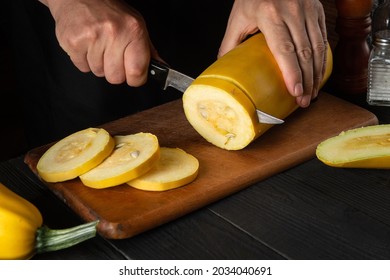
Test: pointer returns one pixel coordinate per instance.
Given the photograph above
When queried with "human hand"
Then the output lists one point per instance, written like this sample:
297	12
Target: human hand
108	38
295	31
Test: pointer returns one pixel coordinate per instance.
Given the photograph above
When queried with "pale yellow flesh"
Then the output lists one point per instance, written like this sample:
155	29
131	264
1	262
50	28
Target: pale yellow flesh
75	155
366	147
133	156
221	113
175	168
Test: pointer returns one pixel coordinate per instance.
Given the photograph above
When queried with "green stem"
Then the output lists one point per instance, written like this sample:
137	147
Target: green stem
56	239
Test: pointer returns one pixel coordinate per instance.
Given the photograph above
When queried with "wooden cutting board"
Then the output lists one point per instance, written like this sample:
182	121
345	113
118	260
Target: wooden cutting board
124	212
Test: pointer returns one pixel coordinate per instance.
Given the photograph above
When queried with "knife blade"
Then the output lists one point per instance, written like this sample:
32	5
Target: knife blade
168	77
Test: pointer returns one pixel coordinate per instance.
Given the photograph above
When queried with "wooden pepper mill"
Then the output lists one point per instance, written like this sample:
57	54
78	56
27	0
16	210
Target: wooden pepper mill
352	51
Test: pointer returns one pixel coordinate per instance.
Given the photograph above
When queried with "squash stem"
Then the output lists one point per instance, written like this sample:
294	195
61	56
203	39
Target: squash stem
56	239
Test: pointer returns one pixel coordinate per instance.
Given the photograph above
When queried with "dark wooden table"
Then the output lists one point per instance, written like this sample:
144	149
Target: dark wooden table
311	211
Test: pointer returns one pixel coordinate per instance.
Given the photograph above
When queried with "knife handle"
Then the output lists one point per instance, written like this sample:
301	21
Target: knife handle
159	72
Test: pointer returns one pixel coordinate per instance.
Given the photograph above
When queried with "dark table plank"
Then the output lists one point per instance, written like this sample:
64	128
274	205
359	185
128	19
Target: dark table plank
309	212
202	234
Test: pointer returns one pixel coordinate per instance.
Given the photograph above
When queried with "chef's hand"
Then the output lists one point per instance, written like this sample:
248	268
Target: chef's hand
108	38
295	31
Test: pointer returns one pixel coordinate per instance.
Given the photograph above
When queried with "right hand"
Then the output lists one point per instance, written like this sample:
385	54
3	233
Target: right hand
108	38
295	31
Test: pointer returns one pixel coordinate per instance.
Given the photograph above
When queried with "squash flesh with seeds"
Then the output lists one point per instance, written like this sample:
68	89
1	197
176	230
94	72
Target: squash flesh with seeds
243	80
223	114
365	147
75	155
133	156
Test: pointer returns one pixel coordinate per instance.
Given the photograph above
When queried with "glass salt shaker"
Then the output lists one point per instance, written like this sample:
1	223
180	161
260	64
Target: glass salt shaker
378	88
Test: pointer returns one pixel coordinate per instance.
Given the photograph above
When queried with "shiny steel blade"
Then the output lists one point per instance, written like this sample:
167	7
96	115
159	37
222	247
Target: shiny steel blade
265	118
178	80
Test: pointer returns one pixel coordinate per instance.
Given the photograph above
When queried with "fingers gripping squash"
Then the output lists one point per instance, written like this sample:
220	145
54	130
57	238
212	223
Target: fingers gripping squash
133	156
75	155
174	169
366	147
221	103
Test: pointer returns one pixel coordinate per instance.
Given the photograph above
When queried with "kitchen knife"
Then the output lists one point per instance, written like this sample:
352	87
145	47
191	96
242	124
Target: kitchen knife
168	77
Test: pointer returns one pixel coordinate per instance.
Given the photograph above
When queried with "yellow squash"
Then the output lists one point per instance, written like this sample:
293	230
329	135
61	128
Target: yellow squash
365	147
221	103
134	155
22	234
75	154
174	169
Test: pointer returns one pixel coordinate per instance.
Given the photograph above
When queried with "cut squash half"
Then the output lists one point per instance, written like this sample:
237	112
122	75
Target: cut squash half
365	147
75	154
175	168
221	102
133	156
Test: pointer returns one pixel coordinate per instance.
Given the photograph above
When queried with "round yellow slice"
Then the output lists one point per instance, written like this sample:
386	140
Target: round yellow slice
175	168
133	156
75	154
365	147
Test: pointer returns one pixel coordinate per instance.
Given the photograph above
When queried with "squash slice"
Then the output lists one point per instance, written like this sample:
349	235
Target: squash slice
75	154
134	155
365	147
175	168
221	103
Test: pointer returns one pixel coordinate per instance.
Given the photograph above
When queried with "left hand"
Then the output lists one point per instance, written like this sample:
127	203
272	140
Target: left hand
295	31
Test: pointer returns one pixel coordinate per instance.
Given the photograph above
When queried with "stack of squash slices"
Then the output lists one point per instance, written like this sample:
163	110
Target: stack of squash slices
101	160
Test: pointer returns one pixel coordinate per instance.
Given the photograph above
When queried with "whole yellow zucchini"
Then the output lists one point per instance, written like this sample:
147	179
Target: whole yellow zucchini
22	234
221	103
